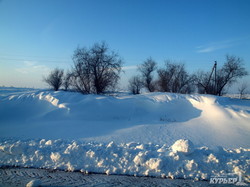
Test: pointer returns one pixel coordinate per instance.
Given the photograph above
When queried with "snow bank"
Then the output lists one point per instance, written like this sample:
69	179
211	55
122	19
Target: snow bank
127	158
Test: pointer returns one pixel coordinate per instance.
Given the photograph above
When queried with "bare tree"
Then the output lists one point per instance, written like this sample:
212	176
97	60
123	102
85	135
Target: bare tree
55	79
202	82
135	85
67	80
81	75
174	78
96	70
230	72
242	90
147	69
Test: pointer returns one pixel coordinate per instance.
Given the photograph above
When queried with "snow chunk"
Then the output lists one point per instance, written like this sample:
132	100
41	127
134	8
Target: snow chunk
70	167
139	160
111	145
90	154
191	165
154	163
212	158
34	183
184	146
140	147
49	142
55	157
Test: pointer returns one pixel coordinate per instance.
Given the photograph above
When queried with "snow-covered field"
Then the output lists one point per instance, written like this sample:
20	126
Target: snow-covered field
153	134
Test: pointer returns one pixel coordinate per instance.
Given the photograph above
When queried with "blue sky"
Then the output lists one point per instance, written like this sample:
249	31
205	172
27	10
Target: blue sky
37	36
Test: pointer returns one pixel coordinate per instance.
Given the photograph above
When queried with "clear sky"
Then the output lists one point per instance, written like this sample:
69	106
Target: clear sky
36	36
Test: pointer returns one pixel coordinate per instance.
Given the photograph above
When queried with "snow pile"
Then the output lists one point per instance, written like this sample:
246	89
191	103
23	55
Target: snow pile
135	159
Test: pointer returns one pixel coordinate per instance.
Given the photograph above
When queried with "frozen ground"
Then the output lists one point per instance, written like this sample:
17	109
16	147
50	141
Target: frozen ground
156	134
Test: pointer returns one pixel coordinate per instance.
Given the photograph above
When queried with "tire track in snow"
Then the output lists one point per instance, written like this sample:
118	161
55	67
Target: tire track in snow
22	176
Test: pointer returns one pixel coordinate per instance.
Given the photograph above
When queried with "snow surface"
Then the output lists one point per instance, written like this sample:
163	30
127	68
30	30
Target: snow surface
154	134
156	117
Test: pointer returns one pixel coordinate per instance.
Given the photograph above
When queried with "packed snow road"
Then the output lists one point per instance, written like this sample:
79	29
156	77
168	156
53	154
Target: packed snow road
22	176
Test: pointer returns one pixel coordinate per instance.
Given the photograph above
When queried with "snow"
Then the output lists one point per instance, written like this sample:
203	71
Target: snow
184	146
34	183
125	159
152	134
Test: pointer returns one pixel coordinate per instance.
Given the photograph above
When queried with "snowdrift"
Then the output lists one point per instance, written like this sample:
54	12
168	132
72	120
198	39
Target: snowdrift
154	134
156	117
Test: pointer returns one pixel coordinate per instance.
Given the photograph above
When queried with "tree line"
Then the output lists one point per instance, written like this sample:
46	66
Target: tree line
96	70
